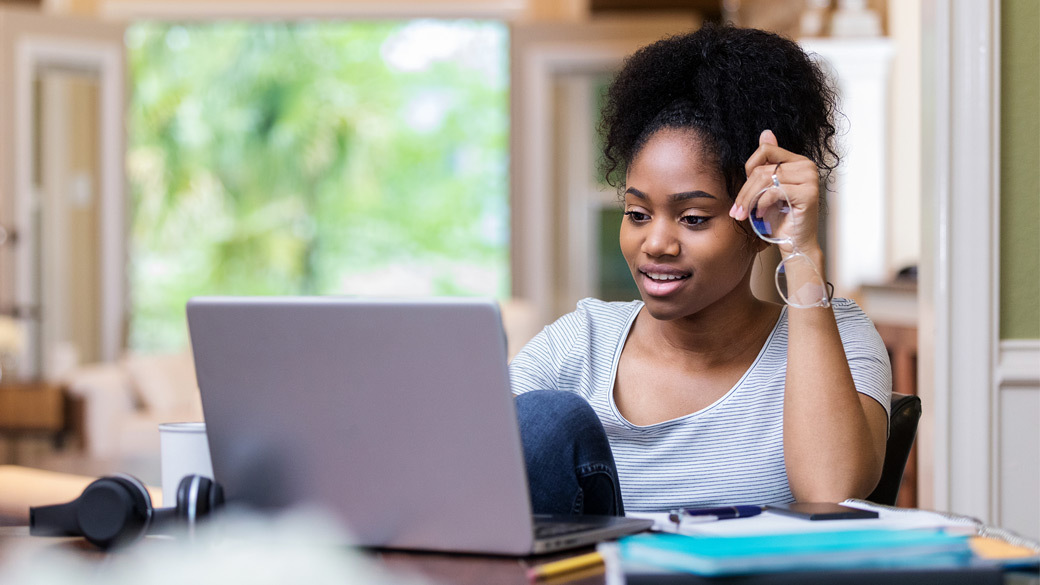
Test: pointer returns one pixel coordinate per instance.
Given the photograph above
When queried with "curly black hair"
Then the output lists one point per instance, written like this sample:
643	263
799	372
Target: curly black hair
727	84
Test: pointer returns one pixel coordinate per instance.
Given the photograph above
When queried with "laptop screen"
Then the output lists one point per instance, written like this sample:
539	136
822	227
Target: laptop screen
394	415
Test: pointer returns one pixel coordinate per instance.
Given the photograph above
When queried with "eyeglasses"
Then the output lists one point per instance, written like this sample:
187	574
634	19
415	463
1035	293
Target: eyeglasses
797	278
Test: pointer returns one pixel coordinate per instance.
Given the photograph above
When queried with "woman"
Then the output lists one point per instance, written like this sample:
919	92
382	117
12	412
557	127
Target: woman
701	393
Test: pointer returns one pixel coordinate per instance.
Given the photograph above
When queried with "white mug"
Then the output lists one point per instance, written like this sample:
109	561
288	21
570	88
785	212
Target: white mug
184	450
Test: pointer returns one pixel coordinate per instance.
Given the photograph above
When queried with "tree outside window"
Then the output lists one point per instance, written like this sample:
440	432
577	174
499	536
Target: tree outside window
361	158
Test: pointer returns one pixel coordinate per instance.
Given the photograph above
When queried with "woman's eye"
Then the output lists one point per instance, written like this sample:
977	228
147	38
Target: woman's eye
693	219
637	216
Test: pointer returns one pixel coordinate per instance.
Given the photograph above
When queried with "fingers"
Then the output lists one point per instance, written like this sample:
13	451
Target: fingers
765	199
768	153
767	144
799	178
798	175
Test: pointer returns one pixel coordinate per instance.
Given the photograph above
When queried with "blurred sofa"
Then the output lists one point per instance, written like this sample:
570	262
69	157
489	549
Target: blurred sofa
123	402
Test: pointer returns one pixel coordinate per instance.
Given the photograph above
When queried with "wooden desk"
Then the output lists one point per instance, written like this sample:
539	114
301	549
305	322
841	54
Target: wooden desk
31	408
444	568
476	570
441	568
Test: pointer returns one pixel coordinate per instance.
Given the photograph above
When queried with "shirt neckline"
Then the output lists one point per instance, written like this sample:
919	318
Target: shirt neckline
627	329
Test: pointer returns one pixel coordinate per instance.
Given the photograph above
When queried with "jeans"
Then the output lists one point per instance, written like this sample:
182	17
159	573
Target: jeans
570	468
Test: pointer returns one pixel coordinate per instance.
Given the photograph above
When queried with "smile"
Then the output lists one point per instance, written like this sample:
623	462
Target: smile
656	276
662	283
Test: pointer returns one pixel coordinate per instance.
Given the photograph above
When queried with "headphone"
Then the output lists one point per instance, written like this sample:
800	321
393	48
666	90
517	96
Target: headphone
117	510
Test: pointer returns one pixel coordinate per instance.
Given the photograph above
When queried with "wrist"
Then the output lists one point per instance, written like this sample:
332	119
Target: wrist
815	254
801	281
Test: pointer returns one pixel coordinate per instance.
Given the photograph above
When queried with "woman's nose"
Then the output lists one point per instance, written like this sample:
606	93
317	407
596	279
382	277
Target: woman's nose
661	239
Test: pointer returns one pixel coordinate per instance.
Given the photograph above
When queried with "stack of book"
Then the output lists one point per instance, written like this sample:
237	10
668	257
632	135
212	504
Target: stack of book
899	548
823	557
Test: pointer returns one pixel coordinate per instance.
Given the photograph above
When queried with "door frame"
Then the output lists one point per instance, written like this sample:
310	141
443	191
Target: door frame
38	41
540	55
959	296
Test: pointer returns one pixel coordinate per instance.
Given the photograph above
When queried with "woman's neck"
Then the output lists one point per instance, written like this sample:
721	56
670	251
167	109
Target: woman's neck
720	334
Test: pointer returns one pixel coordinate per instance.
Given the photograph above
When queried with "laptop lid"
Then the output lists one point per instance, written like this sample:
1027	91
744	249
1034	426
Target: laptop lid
394	415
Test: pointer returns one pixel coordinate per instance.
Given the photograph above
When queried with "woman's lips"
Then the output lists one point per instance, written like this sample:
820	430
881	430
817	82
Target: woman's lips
660	283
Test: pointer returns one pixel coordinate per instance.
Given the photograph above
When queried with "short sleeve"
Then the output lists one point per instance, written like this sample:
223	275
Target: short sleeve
538	364
532	368
865	352
577	352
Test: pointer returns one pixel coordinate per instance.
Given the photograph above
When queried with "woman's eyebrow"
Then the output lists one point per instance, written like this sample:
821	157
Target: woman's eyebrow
674	197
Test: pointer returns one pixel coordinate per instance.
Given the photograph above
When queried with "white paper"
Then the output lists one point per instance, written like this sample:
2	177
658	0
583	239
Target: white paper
771	523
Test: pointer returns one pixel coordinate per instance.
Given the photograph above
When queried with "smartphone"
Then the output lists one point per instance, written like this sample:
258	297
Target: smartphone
821	511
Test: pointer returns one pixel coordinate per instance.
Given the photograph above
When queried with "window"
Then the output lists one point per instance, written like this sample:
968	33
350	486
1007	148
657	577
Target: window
364	158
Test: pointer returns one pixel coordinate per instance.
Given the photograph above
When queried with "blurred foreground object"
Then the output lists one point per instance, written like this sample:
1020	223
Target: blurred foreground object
301	546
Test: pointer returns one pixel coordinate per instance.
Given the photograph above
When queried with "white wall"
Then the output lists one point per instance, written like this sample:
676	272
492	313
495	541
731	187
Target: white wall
904	127
1018	439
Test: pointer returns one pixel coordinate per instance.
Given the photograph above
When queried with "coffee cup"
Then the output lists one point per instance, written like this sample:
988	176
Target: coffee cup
184	450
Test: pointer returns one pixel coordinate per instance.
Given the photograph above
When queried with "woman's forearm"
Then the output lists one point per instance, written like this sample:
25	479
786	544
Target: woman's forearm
833	438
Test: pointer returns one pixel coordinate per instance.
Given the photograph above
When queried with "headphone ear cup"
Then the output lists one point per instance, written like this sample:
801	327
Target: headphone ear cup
216	497
198	497
184	496
114	510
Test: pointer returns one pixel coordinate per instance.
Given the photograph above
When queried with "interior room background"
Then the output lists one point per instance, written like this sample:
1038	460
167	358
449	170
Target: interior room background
157	150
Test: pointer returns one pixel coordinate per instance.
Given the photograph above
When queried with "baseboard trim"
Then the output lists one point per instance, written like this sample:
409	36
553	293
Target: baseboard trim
1019	363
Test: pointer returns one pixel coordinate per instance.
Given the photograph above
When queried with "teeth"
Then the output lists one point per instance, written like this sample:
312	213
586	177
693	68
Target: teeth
664	276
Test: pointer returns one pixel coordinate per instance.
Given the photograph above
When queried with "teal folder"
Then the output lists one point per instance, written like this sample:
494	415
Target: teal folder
987	575
732	555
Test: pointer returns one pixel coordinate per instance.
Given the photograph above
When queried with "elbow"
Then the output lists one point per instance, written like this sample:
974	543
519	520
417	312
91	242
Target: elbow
872	478
833	496
857	482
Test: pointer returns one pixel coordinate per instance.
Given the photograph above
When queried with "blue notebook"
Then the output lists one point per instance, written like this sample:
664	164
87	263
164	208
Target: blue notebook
787	552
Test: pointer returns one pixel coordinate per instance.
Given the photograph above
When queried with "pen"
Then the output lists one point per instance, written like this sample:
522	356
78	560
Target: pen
710	514
565	566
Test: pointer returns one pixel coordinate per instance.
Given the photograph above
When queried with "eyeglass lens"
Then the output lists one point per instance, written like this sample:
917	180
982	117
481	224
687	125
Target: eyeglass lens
769	210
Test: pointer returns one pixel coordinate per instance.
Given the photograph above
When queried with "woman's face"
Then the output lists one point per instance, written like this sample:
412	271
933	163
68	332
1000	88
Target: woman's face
684	250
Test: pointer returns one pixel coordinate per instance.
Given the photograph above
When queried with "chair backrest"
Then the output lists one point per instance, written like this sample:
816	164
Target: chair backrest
906	412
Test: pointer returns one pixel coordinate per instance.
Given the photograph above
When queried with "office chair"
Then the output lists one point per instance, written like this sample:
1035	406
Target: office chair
906	412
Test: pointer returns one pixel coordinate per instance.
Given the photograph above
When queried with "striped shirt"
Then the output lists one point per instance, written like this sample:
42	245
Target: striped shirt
730	452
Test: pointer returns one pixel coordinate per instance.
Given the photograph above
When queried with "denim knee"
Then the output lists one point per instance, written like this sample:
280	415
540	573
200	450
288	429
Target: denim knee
555	412
570	465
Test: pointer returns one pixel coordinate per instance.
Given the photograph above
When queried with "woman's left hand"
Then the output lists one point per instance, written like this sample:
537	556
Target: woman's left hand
800	180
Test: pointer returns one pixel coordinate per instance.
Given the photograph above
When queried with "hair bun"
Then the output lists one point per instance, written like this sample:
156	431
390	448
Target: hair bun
728	84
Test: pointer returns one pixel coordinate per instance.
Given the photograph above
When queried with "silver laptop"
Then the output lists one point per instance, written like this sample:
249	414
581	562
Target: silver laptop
394	415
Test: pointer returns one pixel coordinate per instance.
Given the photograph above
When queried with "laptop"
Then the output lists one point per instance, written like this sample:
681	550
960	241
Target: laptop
394	415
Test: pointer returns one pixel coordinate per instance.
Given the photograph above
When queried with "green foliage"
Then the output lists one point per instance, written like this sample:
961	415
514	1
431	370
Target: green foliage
314	158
